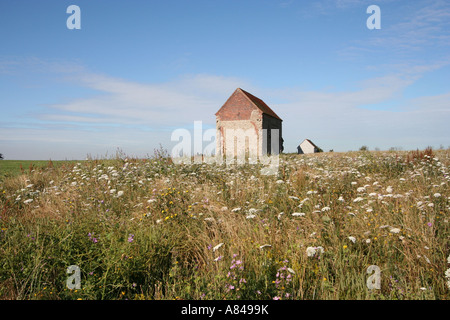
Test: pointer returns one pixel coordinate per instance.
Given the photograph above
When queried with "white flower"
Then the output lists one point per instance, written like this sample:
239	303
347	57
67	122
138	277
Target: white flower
394	230
389	189
447	273
437	195
367	240
265	246
298	214
30	186
352	239
218	246
280	181
325	209
112	191
28	201
311	251
361	189
448	259
120	193
291	270
235	209
73	184
250	216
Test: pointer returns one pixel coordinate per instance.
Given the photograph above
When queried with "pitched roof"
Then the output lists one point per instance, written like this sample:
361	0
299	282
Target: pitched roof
261	105
310	142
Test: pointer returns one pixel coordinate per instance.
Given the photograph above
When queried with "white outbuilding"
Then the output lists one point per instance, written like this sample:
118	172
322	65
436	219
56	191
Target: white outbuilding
307	146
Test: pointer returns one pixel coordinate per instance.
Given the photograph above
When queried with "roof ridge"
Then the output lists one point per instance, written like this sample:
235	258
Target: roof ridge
260	104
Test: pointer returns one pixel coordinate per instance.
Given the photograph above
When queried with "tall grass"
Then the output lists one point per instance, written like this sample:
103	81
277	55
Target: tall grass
151	229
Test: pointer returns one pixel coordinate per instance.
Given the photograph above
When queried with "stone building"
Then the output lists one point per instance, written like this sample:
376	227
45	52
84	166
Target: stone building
307	146
246	126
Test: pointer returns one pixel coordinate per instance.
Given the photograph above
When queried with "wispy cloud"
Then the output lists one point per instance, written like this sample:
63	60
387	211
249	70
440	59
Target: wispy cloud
411	28
120	101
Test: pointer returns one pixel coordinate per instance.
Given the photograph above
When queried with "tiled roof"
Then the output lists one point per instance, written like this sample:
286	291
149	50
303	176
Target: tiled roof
260	104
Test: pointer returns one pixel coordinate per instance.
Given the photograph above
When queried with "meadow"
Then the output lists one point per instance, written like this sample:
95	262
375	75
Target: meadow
152	229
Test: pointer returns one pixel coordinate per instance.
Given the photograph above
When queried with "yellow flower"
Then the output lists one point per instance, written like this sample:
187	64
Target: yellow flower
345	246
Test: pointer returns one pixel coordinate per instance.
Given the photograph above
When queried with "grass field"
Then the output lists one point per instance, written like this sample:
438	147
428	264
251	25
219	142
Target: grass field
11	168
151	229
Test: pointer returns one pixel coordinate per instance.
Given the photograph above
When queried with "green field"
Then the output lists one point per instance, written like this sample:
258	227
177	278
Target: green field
12	168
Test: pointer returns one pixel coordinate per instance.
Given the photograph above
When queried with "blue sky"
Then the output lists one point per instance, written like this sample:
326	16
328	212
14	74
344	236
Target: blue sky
138	70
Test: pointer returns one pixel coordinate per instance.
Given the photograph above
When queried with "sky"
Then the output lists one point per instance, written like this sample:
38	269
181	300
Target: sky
136	71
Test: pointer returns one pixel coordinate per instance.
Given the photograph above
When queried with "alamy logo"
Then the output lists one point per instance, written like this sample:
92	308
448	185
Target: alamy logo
74	20
374	21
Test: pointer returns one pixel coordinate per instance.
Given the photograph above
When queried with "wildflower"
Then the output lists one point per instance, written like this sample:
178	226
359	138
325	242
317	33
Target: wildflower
269	246
120	193
28	201
389	189
130	237
437	195
394	230
311	251
352	239
447	273
218	246
298	214
218	258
